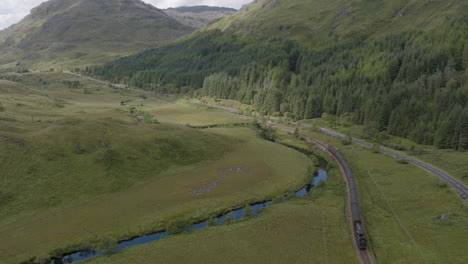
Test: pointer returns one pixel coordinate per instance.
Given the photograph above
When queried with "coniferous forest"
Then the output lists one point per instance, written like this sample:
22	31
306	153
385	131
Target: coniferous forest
411	84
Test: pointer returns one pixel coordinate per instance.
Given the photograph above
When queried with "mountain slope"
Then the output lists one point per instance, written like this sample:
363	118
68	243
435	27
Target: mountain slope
323	21
198	16
87	31
368	67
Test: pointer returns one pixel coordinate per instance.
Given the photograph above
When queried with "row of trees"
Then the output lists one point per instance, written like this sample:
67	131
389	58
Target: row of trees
411	84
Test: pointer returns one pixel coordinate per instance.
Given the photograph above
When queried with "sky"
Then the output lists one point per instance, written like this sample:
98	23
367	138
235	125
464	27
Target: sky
12	11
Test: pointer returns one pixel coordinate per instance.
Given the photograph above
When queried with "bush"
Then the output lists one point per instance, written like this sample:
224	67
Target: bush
296	133
149	119
247	211
267	132
442	184
211	222
106	244
402	161
278	199
290	196
376	148
465	175
383	137
347	140
177	226
228	219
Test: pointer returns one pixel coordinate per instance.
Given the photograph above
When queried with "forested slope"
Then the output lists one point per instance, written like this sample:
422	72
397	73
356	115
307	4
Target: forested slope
407	80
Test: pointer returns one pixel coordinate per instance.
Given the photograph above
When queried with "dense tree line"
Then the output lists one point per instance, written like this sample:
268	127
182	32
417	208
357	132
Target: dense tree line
412	84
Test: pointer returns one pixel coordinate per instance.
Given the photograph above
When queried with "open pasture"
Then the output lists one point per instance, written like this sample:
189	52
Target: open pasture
85	169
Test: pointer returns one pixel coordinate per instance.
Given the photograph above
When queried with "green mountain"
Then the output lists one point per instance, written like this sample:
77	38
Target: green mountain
397	67
198	16
80	32
314	22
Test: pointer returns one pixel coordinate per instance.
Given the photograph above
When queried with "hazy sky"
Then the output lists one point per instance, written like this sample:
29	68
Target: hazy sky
12	11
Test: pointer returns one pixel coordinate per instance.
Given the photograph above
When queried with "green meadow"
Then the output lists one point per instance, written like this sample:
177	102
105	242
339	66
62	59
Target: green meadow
411	217
78	168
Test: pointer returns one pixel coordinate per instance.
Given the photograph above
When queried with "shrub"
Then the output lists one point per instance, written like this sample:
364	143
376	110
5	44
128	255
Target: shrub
278	199
106	244
228	219
247	211
177	226
465	175
211	221
441	183
383	137
402	161
149	119
347	140
267	132
376	148
296	133
290	196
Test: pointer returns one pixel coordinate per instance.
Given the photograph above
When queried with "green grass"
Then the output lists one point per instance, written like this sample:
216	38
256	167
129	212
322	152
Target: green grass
400	206
410	216
310	229
451	161
86	169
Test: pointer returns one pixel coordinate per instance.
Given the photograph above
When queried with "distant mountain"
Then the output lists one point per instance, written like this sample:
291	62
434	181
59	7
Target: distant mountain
198	16
86	31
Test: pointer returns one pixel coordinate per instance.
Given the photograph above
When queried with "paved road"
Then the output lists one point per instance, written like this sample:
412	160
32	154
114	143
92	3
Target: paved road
457	185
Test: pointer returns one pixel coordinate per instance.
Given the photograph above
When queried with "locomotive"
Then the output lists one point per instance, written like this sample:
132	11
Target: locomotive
360	238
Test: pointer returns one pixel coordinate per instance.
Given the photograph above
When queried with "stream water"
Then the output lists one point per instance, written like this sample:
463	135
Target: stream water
237	214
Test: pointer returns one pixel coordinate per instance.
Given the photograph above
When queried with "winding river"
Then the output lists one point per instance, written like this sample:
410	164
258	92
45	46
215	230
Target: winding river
321	175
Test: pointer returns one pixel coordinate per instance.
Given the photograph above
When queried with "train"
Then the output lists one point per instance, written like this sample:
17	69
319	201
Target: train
360	237
353	193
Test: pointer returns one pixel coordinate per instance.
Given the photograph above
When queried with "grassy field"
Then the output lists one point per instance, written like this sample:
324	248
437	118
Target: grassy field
78	168
410	215
309	229
451	161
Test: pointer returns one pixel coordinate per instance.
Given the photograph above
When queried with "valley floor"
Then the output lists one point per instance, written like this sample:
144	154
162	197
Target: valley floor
87	171
410	216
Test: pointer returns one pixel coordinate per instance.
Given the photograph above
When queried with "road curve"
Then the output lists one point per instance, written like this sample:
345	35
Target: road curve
457	185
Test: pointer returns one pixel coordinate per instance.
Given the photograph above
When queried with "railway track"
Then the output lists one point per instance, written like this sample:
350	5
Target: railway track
364	255
456	184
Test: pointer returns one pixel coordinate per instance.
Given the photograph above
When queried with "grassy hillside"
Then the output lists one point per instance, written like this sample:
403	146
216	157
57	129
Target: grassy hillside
66	32
322	22
78	168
